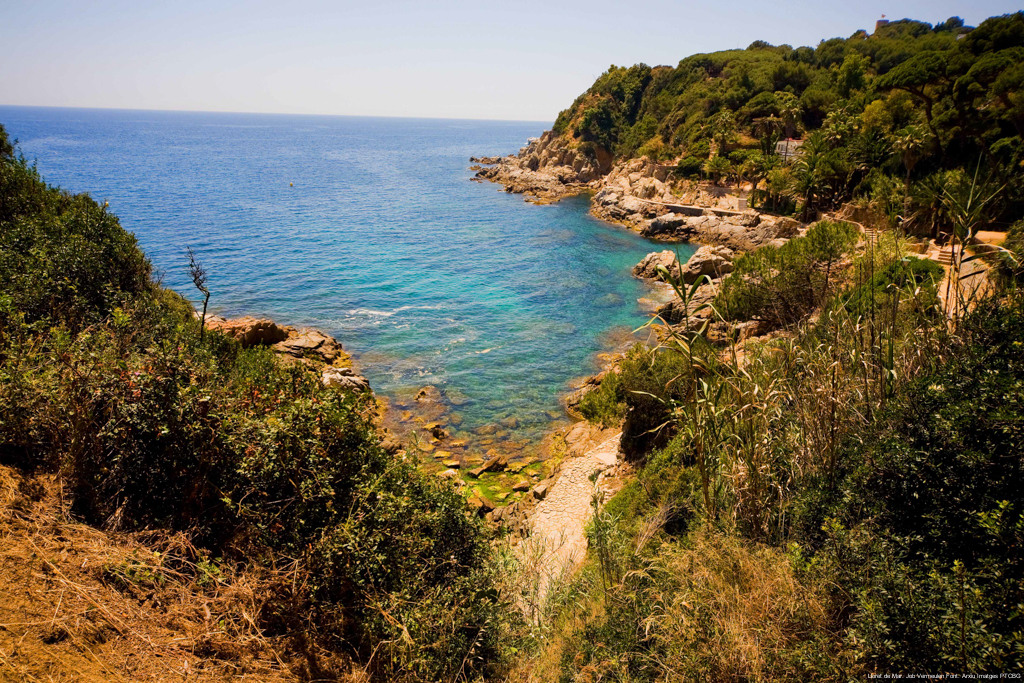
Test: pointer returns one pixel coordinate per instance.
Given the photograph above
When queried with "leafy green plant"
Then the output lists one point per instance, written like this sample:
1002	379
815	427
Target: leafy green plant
782	285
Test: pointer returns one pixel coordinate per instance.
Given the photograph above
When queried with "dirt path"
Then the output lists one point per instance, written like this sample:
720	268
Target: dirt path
557	540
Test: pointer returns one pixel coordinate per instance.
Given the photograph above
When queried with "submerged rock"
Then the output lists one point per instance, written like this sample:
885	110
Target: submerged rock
495	462
429	394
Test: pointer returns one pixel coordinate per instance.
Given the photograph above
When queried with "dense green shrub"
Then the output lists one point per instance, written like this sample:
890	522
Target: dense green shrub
605	405
782	285
62	254
902	275
925	529
649	380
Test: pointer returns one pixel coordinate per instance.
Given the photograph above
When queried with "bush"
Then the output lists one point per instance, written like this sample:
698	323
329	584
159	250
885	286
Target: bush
62	255
640	391
782	285
605	405
903	276
925	529
649	380
690	167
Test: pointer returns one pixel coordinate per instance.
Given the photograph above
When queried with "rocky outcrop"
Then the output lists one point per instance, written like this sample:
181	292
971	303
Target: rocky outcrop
249	331
666	226
312	347
675	312
740	232
651	266
345	379
548	168
563	506
638	193
581	388
310	343
711	260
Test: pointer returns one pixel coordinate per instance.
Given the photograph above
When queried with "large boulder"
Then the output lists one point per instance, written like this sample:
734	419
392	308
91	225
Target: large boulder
786	228
311	344
345	379
741	232
649	188
712	260
648	268
630	204
250	331
675	312
666	225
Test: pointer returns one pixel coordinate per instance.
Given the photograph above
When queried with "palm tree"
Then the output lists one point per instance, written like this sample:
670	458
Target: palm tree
789	109
818	164
723	128
966	203
780	188
911	144
767	129
756	169
717	166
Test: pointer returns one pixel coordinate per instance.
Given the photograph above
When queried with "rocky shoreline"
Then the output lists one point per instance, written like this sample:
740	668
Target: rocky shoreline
505	479
639	194
309	347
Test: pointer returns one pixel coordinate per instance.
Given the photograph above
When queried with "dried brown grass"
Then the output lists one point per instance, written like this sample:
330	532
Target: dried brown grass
80	604
725	609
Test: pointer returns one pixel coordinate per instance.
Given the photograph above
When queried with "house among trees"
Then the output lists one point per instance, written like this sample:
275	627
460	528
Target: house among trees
788	149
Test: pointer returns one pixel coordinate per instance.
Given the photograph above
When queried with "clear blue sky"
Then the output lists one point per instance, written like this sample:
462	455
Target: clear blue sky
513	59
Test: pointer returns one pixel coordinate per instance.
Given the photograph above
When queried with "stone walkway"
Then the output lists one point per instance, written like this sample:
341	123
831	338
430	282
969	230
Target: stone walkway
557	540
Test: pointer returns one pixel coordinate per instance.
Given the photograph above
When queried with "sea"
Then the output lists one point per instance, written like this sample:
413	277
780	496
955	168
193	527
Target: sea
372	230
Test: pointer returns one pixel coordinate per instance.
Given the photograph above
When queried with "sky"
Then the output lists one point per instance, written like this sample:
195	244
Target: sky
515	59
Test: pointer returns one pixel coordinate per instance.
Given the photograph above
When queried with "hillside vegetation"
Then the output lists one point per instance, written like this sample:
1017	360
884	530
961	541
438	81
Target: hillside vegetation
894	116
838	500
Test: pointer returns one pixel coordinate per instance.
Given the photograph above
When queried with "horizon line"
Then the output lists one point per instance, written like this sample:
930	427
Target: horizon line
268	113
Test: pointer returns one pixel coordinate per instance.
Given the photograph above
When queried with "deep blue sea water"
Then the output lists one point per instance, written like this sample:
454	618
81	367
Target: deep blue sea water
367	228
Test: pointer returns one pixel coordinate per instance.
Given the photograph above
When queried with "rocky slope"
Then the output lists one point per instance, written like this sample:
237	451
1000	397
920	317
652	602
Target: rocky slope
637	193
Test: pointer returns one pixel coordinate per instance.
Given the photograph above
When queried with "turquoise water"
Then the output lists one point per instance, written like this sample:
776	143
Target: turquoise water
369	229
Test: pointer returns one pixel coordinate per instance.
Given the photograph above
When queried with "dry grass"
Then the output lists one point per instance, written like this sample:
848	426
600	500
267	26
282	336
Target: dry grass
730	610
79	604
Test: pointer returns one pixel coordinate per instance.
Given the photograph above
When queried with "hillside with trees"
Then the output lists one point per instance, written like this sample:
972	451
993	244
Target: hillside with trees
887	115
